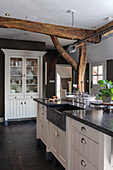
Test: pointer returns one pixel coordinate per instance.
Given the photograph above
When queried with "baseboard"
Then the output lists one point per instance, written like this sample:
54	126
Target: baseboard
1	119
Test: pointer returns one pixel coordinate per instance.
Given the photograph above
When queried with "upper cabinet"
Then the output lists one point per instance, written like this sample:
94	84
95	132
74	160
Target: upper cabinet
23	75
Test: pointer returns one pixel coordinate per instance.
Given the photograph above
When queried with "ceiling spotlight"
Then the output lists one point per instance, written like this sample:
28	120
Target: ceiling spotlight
7	14
93	27
108	18
26	33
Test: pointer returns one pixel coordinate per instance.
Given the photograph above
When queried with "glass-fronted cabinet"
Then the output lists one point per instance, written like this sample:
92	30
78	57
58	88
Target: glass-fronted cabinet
16	70
23	75
31	75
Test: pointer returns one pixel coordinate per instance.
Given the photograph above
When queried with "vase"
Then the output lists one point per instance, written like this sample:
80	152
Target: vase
106	99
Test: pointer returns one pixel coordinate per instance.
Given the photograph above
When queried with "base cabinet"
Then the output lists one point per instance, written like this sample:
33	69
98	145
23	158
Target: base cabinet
58	143
21	108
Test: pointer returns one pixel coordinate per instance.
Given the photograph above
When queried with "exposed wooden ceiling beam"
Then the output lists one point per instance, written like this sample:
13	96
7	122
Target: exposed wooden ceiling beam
63	53
48	29
105	28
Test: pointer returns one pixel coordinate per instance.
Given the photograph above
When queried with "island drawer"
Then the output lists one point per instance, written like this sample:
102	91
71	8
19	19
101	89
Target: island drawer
42	116
80	163
42	107
86	130
86	147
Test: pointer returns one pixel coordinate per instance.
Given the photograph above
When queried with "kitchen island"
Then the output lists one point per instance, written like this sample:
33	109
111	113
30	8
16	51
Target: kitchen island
80	138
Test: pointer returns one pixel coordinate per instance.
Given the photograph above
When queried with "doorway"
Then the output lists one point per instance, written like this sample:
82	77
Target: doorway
97	72
63	80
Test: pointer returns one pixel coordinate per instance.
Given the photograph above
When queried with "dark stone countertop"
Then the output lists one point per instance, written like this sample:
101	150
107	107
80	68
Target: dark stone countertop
95	118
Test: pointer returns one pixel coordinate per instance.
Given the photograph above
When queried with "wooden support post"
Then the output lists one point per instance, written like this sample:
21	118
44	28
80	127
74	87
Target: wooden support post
63	53
82	66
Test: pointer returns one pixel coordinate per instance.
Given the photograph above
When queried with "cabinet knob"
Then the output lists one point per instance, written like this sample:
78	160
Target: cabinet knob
21	103
83	129
42	107
31	97
83	141
42	113
56	133
83	163
24	102
15	97
42	126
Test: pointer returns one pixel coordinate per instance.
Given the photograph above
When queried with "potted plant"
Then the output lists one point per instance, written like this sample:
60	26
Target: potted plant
106	92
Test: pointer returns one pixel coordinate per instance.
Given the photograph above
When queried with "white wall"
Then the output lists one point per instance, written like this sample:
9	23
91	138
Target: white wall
98	52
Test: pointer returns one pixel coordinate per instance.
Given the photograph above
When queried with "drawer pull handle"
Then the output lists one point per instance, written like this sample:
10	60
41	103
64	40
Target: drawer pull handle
56	133
83	129
83	163
83	141
42	126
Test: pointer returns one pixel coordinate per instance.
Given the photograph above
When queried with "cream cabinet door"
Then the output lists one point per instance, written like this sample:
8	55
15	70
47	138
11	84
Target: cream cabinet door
54	139
62	147
12	109
58	143
43	132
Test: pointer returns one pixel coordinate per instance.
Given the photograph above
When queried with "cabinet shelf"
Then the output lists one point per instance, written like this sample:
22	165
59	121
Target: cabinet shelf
31	67
16	84
15	66
16	75
31	84
31	75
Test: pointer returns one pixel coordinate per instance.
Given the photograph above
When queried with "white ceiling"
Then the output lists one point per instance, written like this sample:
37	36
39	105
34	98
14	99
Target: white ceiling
89	13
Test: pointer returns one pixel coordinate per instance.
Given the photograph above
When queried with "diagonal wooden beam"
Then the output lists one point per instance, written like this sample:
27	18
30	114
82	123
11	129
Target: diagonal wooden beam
63	53
53	64
82	66
48	29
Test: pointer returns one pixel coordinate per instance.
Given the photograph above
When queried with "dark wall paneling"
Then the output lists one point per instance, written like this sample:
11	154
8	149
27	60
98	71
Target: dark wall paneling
18	45
86	79
2	63
49	89
21	44
109	70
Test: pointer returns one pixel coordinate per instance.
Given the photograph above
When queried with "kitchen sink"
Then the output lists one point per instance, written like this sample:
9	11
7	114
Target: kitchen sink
65	107
56	116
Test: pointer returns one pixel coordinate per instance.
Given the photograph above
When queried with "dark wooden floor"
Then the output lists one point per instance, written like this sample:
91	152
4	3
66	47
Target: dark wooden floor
19	151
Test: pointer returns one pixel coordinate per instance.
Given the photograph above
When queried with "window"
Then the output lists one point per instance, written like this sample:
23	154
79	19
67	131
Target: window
97	74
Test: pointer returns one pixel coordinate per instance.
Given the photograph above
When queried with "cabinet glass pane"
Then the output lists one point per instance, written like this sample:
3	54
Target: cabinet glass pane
15	75
31	75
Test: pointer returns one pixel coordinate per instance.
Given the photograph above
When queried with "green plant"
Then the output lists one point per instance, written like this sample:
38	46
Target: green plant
106	90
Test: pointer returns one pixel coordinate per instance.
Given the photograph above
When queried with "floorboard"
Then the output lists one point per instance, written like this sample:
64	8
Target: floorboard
19	151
